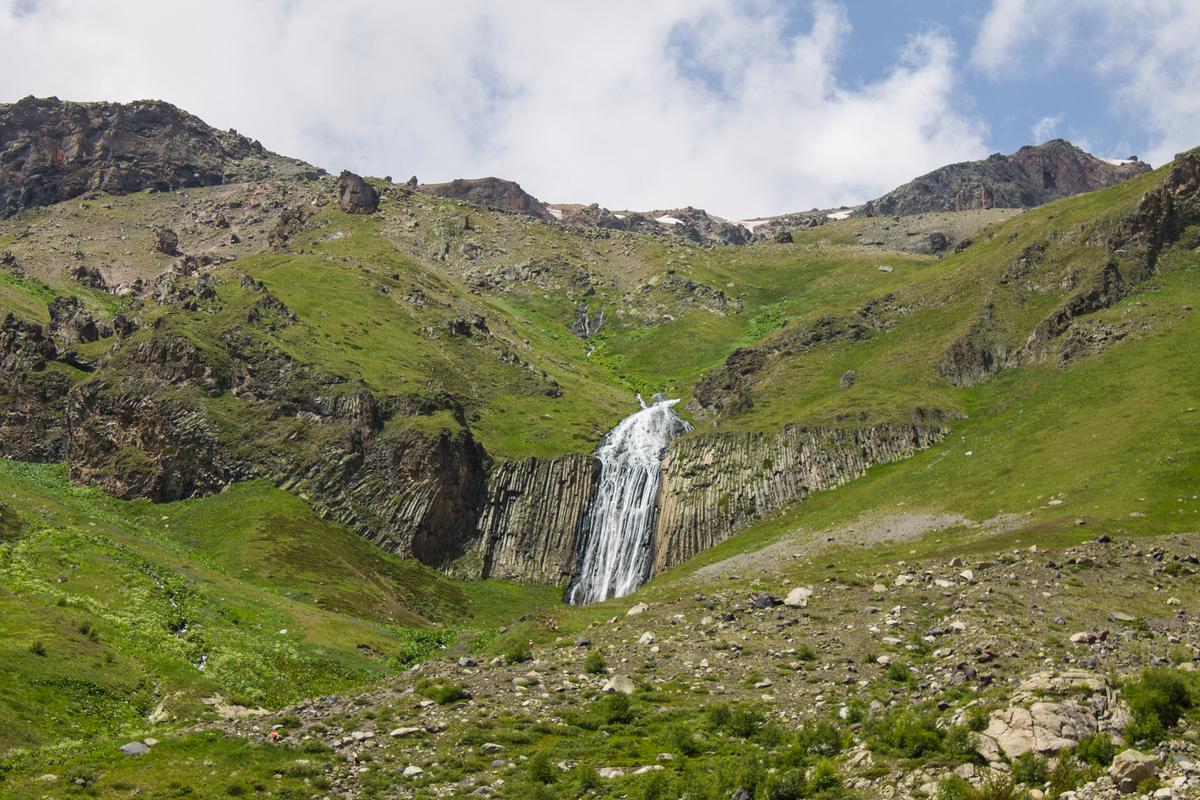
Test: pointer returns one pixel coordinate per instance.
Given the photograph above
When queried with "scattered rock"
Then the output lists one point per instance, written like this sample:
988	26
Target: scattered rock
798	597
618	683
166	241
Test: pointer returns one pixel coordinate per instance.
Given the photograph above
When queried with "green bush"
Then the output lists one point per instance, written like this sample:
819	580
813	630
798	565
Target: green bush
718	716
593	662
616	709
1030	768
518	653
684	740
540	769
1069	774
820	738
1097	750
744	722
904	733
789	785
954	787
825	777
442	691
38	649
1157	699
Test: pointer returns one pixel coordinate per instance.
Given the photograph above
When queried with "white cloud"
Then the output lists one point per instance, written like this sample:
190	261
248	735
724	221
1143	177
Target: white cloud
1044	129
1143	52
632	104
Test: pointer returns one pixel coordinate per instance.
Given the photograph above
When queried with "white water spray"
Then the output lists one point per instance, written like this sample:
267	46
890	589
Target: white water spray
618	531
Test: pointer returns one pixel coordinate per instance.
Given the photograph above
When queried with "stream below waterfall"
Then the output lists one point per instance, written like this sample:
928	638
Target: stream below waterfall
618	529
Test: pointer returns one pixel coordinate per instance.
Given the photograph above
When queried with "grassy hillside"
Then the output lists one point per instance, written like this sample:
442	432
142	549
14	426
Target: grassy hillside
115	612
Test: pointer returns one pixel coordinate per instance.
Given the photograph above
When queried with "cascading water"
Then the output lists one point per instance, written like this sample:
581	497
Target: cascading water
618	530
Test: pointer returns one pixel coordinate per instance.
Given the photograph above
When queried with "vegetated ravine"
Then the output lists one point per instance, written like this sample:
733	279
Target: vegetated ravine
618	531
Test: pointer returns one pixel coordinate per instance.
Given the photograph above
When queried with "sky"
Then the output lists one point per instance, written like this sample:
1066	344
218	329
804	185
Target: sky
742	107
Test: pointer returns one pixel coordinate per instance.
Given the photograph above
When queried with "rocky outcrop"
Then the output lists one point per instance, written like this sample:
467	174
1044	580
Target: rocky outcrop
166	241
1029	177
1051	712
134	442
32	427
71	323
52	151
355	195
495	193
714	484
697	225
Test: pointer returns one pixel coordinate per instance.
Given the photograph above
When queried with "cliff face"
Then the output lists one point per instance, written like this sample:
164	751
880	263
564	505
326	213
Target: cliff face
530	525
436	497
1029	177
716	483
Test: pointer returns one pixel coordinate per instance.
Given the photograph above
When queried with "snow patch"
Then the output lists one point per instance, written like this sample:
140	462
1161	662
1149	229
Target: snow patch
668	220
555	212
840	214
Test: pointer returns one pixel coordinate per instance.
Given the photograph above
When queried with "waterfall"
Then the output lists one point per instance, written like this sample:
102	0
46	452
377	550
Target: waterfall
618	530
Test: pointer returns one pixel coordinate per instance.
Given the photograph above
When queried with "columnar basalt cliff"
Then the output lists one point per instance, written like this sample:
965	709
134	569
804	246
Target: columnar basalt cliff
717	483
529	528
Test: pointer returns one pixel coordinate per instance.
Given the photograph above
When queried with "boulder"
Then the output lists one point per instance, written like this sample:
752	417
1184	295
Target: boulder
134	749
70	322
618	683
798	597
640	608
166	241
355	195
1130	768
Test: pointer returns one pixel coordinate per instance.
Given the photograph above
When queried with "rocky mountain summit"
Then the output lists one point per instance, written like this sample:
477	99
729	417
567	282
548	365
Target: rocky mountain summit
52	150
494	193
1029	177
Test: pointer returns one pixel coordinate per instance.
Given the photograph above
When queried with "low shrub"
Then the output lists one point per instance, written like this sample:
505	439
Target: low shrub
593	662
1157	699
1030	769
441	691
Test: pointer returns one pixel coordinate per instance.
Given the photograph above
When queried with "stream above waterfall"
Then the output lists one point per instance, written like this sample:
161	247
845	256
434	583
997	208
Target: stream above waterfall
618	529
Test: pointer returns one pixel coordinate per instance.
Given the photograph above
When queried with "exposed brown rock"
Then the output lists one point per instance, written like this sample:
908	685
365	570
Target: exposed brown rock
355	195
495	193
52	151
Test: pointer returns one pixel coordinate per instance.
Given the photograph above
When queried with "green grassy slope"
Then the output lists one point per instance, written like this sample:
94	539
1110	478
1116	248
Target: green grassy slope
111	608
